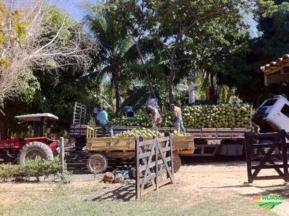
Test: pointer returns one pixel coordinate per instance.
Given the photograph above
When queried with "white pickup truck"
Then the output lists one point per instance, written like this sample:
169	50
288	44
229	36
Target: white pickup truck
273	114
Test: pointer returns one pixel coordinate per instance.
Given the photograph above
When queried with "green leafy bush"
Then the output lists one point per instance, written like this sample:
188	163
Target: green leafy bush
34	168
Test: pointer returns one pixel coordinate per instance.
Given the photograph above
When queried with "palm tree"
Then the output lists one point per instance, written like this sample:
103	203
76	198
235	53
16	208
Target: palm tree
114	42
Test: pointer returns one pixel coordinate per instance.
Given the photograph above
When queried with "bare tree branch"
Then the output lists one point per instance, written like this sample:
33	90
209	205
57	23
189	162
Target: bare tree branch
17	54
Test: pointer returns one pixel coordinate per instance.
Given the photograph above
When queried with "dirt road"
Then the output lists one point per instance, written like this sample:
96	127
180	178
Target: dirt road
218	185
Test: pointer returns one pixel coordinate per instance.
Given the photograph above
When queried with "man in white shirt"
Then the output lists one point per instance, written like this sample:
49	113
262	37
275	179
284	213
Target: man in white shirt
192	93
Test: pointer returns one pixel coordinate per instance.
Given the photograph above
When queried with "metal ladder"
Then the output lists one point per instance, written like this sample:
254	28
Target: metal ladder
79	114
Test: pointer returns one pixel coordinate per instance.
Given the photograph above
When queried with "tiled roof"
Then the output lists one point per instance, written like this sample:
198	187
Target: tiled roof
277	65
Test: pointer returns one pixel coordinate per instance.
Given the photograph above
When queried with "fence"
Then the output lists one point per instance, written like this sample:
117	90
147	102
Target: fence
266	151
154	164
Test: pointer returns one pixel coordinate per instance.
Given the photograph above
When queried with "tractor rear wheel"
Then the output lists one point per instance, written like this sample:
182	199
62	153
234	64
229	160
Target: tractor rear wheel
97	163
177	162
33	150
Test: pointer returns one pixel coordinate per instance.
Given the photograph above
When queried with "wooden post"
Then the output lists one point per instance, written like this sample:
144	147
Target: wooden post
284	155
157	161
62	161
137	180
172	155
248	150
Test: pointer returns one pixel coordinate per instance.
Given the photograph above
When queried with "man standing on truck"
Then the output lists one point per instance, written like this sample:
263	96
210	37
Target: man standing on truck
178	119
192	93
102	118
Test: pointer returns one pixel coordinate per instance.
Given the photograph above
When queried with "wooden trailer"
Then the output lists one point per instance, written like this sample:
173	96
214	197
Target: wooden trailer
104	149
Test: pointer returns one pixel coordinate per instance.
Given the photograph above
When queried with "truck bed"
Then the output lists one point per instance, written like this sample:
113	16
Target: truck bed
183	144
205	141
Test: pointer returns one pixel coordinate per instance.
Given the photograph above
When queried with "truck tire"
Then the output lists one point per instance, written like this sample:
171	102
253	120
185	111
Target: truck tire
97	163
177	162
33	150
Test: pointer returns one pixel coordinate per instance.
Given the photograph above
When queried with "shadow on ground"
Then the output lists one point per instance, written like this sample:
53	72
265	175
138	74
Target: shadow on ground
123	193
216	160
279	190
78	166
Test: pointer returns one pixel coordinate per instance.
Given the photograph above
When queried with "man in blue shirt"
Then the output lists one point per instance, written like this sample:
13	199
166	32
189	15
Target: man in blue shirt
102	118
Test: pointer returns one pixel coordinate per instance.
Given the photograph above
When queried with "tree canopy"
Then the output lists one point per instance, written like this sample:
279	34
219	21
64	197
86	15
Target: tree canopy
128	50
243	68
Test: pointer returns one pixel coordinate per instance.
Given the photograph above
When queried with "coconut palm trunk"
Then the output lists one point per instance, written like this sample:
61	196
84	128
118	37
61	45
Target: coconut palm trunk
116	71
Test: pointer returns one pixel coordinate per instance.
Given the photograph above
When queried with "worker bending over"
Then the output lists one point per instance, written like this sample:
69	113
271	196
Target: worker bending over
178	120
155	116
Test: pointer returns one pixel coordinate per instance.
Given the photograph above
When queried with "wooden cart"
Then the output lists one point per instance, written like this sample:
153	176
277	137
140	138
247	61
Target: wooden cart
104	149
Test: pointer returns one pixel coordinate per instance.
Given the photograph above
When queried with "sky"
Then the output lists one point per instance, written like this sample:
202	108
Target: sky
78	8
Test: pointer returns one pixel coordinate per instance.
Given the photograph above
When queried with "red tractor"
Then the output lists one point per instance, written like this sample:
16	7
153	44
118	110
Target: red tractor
35	145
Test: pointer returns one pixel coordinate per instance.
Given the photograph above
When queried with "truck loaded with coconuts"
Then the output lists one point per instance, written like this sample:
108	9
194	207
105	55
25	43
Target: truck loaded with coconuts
102	151
216	129
272	115
36	144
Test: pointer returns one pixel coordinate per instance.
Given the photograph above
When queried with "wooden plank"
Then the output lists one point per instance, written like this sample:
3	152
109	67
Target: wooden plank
268	166
171	155
166	165
185	152
275	166
164	182
152	188
144	155
137	184
148	179
149	160
155	159
263	161
62	155
284	155
248	150
277	141
151	165
146	143
163	139
147	190
166	149
268	177
156	167
120	154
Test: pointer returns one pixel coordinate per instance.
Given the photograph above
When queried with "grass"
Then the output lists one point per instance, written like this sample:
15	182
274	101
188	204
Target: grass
88	200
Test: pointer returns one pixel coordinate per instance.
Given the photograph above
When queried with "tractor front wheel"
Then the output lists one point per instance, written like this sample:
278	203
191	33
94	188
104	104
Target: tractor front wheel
97	163
33	150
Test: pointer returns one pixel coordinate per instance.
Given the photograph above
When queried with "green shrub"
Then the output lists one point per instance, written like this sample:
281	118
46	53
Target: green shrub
7	171
34	168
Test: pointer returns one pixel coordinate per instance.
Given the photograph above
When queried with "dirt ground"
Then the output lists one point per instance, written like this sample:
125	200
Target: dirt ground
197	181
